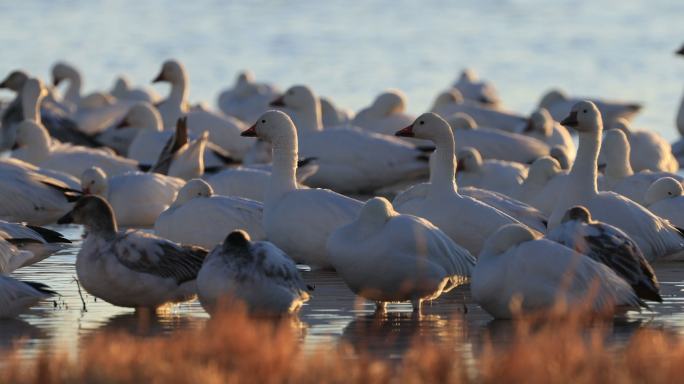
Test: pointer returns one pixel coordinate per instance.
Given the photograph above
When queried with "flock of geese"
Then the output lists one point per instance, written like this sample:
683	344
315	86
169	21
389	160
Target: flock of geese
514	205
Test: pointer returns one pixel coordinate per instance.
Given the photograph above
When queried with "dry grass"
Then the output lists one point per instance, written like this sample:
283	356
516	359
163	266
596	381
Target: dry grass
233	348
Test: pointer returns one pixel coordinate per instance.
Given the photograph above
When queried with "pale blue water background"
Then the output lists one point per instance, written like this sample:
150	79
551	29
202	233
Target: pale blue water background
349	51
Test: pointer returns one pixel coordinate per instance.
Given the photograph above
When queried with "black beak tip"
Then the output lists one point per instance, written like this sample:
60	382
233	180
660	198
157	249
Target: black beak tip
571	120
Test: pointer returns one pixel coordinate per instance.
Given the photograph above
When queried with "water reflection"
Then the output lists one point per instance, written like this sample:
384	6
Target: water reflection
17	330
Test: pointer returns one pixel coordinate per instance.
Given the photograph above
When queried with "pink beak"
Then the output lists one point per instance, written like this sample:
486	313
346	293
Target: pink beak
406	132
250	132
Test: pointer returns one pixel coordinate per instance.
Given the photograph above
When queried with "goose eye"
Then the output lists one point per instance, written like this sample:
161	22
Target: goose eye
263	121
421	123
585	111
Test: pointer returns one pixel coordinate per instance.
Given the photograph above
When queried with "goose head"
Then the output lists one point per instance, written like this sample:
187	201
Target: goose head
469	160
577	213
462	120
584	117
15	80
389	102
298	97
429	126
508	236
244	77
237	244
95	214
376	212
172	71
542	170
468	75
448	97
663	188
615	152
552	97
62	71
274	127
144	116
94	182
561	155
193	189
540	122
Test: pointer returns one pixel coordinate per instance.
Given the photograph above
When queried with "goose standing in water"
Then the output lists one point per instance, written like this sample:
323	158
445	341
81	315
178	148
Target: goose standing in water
467	221
131	268
518	269
316	212
608	245
256	273
656	237
18	296
388	257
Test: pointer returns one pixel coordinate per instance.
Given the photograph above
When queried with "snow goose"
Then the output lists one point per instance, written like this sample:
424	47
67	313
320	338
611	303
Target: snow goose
123	90
649	150
494	175
559	105
256	273
386	115
136	198
92	113
619	175
494	143
451	101
332	116
518	269
315	213
350	159
38	241
224	130
28	196
664	198
607	244
131	268
386	257
18	296
474	89
30	104
467	221
199	217
34	145
543	127
247	100
656	237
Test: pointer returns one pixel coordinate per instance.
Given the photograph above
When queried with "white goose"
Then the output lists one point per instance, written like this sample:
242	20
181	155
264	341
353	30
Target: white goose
495	143
91	118
386	115
247	100
34	145
545	180
649	150
18	296
559	104
519	271
332	115
656	237
28	196
619	175
474	89
664	198
136	198
123	90
199	217
608	245
494	175
131	268
451	101
298	221
256	273
467	221
224	130
543	127
39	242
349	159
387	257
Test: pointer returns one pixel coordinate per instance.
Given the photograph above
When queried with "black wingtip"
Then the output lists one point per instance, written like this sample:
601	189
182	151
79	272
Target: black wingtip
144	167
310	287
306	161
423	157
49	235
40	287
426	148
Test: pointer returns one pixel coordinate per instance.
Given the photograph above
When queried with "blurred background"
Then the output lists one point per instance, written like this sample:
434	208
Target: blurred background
351	51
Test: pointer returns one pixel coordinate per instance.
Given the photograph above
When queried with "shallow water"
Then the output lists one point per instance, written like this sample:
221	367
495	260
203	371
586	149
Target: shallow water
350	51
